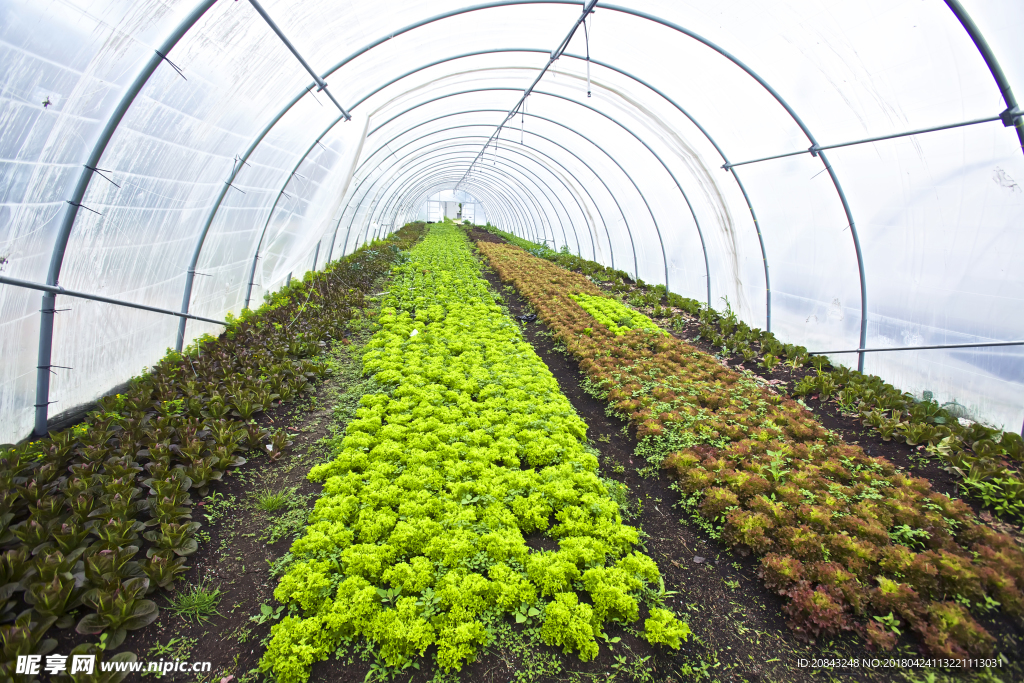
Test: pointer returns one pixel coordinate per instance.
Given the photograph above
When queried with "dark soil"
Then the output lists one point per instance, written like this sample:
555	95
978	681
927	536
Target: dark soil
233	554
739	628
741	632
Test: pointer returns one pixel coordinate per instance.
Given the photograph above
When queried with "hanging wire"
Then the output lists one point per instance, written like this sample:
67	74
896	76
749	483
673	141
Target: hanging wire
522	121
586	37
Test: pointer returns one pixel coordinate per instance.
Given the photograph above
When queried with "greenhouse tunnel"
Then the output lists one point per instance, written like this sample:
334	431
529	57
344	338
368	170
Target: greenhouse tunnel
847	175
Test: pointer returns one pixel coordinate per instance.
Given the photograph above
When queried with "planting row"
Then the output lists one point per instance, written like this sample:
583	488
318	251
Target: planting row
988	461
844	536
420	540
95	518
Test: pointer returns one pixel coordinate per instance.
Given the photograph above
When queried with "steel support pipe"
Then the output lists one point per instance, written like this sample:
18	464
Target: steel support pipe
496	208
355	208
321	85
60	244
1013	115
56	289
568	173
577	157
386	206
493	194
543	187
506	177
971	345
525	146
611	158
397	197
527	218
535	134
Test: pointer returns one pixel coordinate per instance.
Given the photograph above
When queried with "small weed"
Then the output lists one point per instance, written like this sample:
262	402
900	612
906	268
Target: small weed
197	602
242	634
648	472
175	648
272	501
267	613
289	522
216	506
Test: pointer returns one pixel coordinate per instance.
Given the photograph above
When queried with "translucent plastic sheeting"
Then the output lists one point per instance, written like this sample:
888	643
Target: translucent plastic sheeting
630	176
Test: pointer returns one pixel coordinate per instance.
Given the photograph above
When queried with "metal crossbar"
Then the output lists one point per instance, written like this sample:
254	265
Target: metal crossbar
555	54
4	280
921	348
814	149
321	85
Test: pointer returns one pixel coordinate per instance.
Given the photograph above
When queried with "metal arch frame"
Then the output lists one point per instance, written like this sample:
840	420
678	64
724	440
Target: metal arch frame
757	227
355	210
377	179
186	299
434	186
430	157
438	182
612	158
479	191
686	32
482	187
534	178
499	175
535	150
266	224
356	207
512	211
48	302
407	130
753	74
504	208
629	232
561	125
498	206
1013	113
832	174
49	299
396	199
571	192
557	144
526	217
425	190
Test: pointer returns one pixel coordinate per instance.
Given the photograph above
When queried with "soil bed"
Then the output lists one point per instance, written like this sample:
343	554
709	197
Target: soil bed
741	632
234	551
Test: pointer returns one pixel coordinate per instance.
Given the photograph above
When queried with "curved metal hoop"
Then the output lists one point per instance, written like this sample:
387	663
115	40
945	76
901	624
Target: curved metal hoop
48	304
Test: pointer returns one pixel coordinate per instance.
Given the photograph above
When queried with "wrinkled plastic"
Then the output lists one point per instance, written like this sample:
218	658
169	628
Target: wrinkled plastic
623	176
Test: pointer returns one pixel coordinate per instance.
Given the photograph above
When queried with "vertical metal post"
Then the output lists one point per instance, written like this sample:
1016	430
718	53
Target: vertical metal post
316	254
45	350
